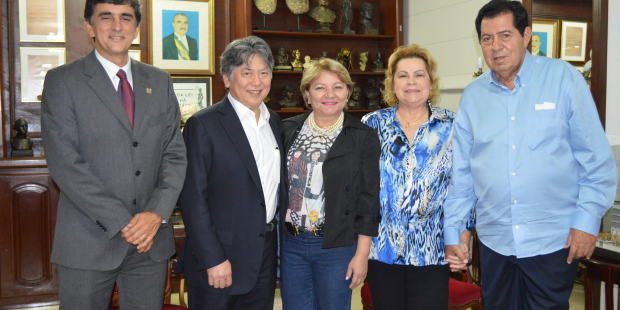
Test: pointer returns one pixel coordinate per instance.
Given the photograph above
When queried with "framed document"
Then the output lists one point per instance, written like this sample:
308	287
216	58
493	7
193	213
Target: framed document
573	47
35	62
136	54
182	39
193	94
42	20
545	37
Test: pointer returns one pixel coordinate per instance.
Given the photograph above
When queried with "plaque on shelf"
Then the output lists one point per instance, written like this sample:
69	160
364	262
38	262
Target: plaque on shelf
282	62
366	24
324	16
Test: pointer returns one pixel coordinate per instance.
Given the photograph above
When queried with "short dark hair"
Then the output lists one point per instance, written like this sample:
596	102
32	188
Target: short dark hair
497	7
89	8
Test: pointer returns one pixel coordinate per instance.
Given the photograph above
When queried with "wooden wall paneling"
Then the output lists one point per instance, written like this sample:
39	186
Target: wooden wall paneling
224	18
600	10
2	86
27	217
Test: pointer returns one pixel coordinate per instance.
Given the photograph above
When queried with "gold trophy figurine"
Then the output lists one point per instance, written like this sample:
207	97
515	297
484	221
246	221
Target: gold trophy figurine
298	7
267	7
297	64
324	16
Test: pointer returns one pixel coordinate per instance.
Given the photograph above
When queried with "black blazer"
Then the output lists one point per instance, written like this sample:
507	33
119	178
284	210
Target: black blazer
222	201
350	180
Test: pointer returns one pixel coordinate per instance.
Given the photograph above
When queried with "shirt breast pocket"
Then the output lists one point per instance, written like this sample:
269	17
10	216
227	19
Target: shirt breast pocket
546	130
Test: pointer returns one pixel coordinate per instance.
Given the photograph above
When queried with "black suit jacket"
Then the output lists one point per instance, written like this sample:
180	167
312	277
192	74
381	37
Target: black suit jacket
350	179
169	49
222	201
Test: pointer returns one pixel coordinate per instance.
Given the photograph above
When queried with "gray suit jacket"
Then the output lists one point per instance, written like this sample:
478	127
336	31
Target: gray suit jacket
106	170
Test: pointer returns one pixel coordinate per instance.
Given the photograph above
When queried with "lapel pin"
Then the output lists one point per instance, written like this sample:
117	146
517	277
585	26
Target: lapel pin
149	91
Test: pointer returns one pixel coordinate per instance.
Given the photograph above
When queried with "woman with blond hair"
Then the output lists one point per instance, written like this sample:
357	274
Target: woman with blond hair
407	267
333	159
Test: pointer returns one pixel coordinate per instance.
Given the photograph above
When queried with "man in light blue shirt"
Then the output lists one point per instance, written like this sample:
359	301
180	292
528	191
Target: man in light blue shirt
531	157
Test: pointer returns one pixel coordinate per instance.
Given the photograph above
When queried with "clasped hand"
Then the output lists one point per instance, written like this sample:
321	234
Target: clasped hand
141	230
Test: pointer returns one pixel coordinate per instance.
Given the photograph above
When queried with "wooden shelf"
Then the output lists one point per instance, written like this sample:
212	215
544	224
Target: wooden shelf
339	36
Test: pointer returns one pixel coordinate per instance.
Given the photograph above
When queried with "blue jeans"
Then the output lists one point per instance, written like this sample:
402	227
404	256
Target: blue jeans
314	278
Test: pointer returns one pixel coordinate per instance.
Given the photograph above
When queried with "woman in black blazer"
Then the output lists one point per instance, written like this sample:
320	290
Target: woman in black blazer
333	181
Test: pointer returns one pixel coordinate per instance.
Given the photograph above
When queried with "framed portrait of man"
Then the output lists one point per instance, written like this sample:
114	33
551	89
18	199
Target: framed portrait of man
182	36
545	37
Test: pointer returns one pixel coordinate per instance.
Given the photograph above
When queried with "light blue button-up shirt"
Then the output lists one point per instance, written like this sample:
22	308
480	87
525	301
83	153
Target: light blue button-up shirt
533	161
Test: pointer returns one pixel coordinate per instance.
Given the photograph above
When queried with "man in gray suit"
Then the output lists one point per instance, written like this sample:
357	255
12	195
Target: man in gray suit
110	129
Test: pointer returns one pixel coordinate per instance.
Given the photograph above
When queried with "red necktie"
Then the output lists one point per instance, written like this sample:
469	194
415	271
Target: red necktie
126	94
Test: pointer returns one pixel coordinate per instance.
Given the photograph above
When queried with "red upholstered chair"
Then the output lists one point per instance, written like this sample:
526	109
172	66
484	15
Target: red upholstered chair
167	292
462	294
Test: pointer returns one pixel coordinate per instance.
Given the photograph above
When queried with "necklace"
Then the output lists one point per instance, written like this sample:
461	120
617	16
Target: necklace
407	124
325	131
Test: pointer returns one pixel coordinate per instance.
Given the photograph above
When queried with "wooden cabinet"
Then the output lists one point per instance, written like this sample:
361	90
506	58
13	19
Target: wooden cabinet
27	217
281	30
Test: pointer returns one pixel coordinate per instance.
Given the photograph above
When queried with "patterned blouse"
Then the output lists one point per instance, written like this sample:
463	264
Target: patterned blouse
414	183
306	208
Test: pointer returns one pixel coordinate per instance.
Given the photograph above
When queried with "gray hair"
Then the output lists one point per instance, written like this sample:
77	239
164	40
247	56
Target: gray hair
240	51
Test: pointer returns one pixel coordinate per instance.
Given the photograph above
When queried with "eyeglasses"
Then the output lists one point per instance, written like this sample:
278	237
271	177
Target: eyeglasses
488	39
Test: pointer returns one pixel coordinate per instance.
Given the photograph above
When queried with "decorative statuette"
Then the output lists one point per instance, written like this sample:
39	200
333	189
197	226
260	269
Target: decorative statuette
324	16
346	16
288	97
296	63
363	61
355	99
21	144
298	7
282	62
366	19
373	94
344	57
378	63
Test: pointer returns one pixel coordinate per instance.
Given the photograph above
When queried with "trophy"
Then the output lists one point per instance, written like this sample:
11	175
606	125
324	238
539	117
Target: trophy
267	7
298	7
282	62
363	61
346	16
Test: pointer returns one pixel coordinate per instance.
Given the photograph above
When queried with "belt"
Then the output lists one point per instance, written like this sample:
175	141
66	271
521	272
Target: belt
296	230
271	226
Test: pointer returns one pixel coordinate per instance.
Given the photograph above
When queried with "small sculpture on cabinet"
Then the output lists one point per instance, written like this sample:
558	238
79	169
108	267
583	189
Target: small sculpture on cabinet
378	63
288	97
296	63
346	16
324	16
21	144
373	94
324	54
355	99
282	62
363	61
267	7
344	57
298	7
366	13
307	61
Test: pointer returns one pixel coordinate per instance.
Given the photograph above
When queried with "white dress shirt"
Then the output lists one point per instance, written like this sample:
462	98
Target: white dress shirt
265	149
111	69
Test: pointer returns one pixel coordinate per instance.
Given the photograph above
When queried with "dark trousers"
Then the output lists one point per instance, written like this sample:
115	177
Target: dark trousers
140	282
537	283
398	287
259	298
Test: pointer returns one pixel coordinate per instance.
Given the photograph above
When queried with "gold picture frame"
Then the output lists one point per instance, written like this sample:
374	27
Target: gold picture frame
574	36
136	54
194	52
34	63
545	35
42	20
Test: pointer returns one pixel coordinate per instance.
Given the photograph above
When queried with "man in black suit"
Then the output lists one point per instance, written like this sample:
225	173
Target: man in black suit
178	45
234	187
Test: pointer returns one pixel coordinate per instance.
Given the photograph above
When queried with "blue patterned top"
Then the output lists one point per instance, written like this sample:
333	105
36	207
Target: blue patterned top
414	183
